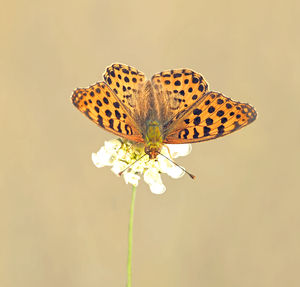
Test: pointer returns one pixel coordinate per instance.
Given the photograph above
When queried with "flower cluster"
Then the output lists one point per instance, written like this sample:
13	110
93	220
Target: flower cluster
120	153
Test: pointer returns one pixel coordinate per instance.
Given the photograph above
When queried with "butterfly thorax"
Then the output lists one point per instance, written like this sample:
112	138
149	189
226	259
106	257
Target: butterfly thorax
153	139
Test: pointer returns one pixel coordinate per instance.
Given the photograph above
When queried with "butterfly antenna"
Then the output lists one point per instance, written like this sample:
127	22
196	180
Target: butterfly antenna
191	175
120	173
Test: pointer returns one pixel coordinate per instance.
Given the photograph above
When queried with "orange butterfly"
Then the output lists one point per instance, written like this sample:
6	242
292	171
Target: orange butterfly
174	107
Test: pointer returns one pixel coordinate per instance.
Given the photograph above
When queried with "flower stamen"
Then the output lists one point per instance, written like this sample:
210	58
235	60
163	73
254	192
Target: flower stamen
120	173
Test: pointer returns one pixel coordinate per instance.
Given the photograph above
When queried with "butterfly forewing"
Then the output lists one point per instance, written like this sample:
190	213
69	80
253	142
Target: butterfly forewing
212	116
103	107
126	82
181	88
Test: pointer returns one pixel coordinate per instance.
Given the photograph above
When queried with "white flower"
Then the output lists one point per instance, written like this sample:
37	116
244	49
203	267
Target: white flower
131	178
177	150
120	154
107	154
153	178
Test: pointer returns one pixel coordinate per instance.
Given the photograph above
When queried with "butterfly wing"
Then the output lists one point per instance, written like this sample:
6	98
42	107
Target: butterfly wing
179	89
188	112
126	82
212	116
101	105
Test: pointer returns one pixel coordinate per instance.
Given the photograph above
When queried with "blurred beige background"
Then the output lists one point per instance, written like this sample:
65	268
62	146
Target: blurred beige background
64	222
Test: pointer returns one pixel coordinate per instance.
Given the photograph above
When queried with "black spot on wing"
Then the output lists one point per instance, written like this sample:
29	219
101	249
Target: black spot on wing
236	126
183	134
119	128
100	121
116	105
224	120
105	100
87	113
128	129
206	131
108	113
195	80
111	123
211	109
200	88
197	112
196	134
209	121
118	115
220	130
197	121
220	113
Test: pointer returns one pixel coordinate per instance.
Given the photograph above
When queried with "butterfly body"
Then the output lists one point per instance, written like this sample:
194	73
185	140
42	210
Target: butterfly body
153	139
174	107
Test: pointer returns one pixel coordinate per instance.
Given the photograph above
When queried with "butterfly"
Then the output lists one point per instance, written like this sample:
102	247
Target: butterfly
174	107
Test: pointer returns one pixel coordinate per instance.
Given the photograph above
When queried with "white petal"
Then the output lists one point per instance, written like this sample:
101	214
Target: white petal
177	150
152	175
175	172
138	167
164	164
121	153
102	158
118	167
157	188
125	155
112	144
132	178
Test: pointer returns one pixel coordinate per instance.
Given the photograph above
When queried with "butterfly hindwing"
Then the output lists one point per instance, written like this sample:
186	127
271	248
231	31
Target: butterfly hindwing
212	116
103	107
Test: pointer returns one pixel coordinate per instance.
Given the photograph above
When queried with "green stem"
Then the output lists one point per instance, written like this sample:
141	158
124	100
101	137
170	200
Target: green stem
130	236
